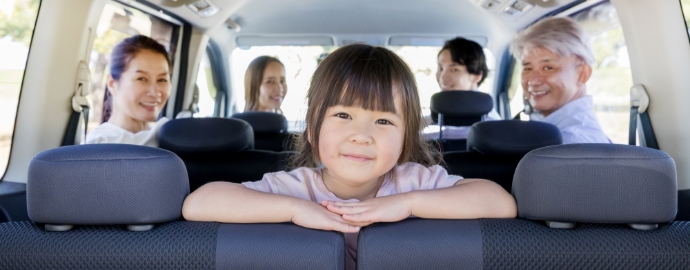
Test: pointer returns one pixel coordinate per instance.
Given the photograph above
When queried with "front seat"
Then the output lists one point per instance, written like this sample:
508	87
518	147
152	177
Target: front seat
270	129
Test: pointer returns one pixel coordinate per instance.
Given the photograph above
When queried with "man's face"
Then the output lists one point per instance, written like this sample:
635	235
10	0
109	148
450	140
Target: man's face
550	81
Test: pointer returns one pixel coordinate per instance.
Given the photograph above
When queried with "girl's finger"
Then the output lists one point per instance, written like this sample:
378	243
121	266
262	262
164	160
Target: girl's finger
360	217
343	203
345	209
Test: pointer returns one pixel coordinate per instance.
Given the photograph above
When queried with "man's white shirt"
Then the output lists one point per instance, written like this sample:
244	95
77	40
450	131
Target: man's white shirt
577	122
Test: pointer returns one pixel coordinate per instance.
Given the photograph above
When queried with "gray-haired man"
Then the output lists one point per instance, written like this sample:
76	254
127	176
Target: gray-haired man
556	59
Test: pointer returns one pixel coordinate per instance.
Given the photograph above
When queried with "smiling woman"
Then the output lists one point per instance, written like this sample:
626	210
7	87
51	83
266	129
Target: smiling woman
137	89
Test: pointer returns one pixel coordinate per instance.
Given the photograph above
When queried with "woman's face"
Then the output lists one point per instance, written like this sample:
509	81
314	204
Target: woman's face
454	76
273	87
143	88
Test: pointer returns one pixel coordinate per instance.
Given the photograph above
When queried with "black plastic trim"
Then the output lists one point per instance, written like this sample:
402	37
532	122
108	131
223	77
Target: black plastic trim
683	205
184	63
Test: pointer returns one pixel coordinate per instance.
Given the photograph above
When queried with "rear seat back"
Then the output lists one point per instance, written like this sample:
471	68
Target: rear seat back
602	187
219	149
495	148
98	188
270	129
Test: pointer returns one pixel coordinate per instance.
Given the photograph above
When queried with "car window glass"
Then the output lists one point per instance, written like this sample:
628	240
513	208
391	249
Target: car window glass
207	89
300	63
423	61
17	21
116	23
611	75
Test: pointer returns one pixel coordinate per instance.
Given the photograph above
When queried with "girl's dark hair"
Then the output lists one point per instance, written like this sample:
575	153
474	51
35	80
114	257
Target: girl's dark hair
371	78
122	54
252	81
469	54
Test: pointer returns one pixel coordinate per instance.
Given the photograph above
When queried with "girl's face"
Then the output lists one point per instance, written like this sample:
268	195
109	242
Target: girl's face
358	146
273	87
143	88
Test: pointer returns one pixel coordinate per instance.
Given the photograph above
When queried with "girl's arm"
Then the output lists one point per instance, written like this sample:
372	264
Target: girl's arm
467	199
234	203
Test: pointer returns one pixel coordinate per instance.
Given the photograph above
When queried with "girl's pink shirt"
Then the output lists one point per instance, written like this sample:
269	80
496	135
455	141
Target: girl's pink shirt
306	183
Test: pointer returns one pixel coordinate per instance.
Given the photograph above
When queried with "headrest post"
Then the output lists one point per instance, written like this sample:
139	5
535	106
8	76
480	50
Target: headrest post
57	228
644	227
440	126
140	228
560	225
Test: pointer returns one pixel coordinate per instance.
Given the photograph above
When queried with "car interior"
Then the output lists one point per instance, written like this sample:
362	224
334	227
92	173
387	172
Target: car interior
69	205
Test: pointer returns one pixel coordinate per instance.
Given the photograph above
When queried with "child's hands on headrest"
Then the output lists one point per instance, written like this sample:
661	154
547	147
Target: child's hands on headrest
311	215
383	209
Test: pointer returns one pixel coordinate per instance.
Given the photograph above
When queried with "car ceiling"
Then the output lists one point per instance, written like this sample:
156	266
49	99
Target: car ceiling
256	17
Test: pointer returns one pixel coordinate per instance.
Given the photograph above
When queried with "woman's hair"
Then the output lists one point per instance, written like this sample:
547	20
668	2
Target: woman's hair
562	36
122	54
252	81
469	54
369	77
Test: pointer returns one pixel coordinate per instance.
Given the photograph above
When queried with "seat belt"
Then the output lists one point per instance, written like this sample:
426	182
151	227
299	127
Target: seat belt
639	103
80	104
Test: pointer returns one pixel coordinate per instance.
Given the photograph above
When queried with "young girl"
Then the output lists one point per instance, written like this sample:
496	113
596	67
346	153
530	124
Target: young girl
361	160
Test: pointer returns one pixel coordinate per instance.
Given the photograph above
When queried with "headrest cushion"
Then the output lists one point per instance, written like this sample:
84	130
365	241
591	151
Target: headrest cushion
264	123
106	184
511	137
598	183
203	136
461	103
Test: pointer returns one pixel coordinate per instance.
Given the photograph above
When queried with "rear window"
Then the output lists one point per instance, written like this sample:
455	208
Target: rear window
17	21
118	22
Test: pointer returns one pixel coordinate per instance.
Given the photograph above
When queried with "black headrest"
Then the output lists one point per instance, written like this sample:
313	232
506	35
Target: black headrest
264	122
106	184
598	183
202	136
511	137
461	103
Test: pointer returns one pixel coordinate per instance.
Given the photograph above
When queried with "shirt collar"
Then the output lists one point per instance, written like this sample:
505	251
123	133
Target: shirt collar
582	104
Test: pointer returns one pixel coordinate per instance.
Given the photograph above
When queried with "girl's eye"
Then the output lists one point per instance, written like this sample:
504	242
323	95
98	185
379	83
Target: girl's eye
343	115
383	122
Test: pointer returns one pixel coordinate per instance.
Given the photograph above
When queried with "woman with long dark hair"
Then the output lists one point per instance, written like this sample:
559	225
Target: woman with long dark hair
137	89
264	85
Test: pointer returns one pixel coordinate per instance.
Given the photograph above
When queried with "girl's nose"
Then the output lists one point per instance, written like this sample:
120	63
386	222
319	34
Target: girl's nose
361	134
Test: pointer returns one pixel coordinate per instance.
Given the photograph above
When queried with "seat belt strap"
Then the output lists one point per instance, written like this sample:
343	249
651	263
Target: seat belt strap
632	134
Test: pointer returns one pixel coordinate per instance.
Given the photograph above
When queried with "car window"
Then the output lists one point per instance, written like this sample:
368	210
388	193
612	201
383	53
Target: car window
300	63
611	75
207	89
423	63
17	21
116	23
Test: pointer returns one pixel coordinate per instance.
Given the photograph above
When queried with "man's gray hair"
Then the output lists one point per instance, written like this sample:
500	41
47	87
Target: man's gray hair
562	36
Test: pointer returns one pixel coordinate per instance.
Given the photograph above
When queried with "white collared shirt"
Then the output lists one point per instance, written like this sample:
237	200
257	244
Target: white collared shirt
110	133
577	122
